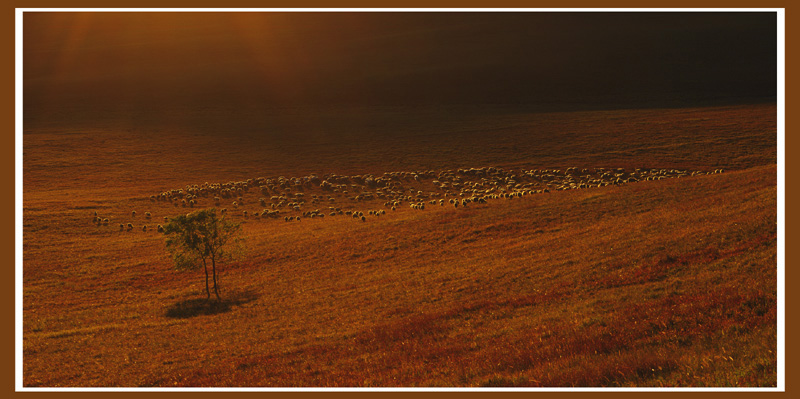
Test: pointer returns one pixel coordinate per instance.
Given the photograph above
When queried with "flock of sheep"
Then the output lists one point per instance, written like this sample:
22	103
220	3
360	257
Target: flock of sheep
101	221
296	198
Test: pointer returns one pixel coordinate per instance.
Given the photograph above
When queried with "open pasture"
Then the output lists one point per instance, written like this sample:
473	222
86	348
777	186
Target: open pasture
596	248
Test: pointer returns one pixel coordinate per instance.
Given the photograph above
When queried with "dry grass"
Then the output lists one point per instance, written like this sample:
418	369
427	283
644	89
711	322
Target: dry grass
658	283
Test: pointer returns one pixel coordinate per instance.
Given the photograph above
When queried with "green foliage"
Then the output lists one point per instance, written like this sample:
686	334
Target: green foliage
185	260
198	237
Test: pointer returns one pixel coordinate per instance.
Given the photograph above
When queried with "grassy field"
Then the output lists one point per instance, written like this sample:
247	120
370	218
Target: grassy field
652	283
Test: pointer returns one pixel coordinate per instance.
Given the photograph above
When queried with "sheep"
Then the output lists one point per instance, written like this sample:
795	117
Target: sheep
147	215
244	213
144	228
105	222
166	219
160	228
363	219
130	226
133	214
121	227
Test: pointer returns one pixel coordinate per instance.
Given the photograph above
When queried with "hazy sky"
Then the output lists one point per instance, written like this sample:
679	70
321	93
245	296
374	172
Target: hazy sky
149	60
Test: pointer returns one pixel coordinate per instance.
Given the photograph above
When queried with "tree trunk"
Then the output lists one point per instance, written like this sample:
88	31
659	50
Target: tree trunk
208	292
214	270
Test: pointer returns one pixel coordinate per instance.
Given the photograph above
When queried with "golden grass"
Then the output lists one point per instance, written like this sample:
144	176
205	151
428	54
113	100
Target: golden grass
662	283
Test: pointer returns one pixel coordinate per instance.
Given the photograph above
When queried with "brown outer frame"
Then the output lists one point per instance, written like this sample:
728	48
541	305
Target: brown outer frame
8	234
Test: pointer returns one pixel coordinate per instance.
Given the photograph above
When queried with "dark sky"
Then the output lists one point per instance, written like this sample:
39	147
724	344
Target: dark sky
139	61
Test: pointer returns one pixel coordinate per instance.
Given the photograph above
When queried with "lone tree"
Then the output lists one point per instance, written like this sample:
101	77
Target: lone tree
197	238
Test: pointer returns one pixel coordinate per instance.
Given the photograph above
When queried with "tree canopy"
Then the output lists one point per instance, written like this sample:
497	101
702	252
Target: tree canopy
200	237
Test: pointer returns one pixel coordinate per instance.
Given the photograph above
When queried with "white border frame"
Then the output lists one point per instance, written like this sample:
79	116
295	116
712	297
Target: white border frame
781	222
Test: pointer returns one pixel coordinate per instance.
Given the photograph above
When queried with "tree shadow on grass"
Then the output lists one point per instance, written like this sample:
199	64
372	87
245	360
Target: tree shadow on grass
203	306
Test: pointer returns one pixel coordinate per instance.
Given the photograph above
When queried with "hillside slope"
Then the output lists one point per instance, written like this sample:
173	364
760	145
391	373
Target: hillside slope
657	283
